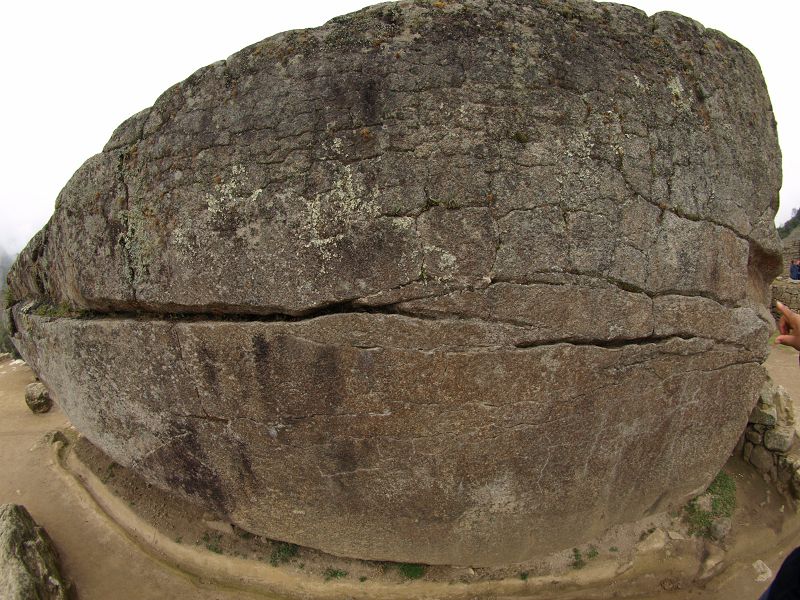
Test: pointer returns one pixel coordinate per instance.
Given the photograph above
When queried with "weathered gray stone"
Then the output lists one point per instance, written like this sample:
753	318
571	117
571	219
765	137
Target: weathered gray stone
764	415
748	450
28	561
38	398
448	284
784	406
767	394
776	396
762	459
779	439
763	572
720	528
754	436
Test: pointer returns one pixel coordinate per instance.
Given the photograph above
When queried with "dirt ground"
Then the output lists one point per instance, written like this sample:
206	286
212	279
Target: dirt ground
105	561
98	558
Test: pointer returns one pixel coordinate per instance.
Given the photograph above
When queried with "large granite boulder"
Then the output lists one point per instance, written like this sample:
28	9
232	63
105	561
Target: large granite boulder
449	282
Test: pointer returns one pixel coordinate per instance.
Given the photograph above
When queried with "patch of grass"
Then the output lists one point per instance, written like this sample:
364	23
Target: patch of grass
362	579
591	552
334	574
179	539
577	559
411	570
524	576
282	552
613	549
48	310
212	542
723	503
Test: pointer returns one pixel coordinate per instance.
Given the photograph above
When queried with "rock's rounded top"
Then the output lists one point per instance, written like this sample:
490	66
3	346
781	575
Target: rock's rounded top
413	149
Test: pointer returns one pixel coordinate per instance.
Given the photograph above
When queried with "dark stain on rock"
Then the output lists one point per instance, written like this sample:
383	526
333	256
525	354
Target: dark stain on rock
262	362
208	366
369	101
244	466
187	469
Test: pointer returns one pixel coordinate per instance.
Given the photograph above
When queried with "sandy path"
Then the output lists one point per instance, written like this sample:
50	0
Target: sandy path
96	557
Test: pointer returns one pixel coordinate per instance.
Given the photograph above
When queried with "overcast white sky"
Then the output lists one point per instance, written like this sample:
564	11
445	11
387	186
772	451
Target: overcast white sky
72	71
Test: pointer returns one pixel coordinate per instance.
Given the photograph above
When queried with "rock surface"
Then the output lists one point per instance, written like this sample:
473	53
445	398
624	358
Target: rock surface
458	282
28	562
38	398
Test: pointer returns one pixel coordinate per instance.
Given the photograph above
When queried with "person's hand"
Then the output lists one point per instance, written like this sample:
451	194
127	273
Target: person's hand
788	327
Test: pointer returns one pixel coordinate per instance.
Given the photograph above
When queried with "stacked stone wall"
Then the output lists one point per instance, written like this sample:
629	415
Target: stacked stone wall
768	442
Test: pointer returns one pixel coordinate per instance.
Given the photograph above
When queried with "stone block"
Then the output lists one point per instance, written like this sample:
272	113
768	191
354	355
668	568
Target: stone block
38	398
762	459
764	415
779	439
754	437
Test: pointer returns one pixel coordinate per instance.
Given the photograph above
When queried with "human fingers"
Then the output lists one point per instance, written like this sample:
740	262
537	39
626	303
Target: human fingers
787	312
790	320
783	326
789	340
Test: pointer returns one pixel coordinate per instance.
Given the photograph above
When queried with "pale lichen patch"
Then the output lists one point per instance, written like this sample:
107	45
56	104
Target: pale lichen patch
679	99
331	214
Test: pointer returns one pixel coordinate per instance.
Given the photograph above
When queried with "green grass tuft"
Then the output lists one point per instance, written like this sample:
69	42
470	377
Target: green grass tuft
577	559
282	552
723	503
56	312
334	574
411	571
212	542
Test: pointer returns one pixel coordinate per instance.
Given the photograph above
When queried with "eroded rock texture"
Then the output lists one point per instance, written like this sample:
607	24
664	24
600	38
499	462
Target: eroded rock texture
445	283
28	561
